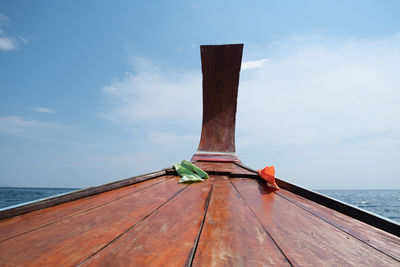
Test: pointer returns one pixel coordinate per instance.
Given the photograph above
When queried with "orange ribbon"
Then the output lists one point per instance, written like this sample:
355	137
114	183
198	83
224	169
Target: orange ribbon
268	174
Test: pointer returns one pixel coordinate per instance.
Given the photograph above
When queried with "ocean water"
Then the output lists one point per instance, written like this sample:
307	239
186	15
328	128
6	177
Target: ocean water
10	196
385	203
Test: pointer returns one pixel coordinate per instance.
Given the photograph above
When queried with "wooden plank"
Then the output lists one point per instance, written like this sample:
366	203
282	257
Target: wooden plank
215	156
76	195
240	164
354	212
71	240
166	238
220	66
17	225
232	236
383	241
223	167
303	237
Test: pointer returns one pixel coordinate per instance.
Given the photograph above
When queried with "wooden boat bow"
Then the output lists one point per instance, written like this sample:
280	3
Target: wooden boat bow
230	219
221	68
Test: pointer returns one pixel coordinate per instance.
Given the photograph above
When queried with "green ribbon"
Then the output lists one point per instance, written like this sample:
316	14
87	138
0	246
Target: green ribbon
189	173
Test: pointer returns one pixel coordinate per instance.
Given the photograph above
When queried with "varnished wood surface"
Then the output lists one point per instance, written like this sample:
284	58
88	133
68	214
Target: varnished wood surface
231	235
381	240
220	222
167	237
304	237
223	167
354	212
77	195
220	67
223	221
71	240
30	221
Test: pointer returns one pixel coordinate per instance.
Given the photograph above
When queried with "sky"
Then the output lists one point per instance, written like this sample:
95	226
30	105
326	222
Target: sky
97	91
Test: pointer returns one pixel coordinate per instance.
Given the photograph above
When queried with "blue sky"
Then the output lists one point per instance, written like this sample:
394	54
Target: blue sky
94	91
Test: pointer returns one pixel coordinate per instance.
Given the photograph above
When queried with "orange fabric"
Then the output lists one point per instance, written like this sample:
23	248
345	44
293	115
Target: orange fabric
268	174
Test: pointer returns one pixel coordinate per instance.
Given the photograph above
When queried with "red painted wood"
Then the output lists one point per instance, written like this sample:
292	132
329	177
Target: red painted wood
215	157
385	242
71	240
29	221
166	238
231	236
220	67
303	237
78	194
222	167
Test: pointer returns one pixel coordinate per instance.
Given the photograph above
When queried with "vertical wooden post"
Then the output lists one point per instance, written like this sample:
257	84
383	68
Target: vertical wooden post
220	67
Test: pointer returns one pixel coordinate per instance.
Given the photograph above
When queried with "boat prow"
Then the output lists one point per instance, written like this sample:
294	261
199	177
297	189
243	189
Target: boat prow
230	219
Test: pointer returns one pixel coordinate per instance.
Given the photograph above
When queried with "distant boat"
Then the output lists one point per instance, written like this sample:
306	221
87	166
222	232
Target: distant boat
230	219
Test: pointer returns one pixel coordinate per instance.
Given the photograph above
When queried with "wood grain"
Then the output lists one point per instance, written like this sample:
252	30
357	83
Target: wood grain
29	221
166	238
354	212
223	167
232	236
375	237
52	201
304	238
71	240
220	67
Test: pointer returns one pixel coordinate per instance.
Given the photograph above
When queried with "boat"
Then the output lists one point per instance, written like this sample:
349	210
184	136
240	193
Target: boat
233	218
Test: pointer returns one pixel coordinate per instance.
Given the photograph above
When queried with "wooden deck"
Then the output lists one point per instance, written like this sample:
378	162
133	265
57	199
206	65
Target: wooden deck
231	219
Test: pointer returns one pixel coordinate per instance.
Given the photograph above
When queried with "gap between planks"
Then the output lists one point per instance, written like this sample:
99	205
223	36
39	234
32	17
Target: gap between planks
193	252
86	210
262	225
75	195
131	227
342	253
336	226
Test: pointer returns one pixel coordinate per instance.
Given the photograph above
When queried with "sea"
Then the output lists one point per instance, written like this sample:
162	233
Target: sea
10	196
385	203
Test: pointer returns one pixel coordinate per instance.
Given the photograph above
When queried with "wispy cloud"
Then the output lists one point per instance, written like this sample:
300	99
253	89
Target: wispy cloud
162	109
307	109
13	125
303	106
8	43
154	97
43	110
248	65
321	90
42	131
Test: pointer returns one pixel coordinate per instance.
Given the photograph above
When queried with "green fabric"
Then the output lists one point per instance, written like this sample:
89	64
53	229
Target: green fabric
189	173
195	169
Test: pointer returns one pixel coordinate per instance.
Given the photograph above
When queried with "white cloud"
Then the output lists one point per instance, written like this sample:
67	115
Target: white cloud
322	91
43	110
321	109
152	96
162	109
36	130
13	125
8	43
248	65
